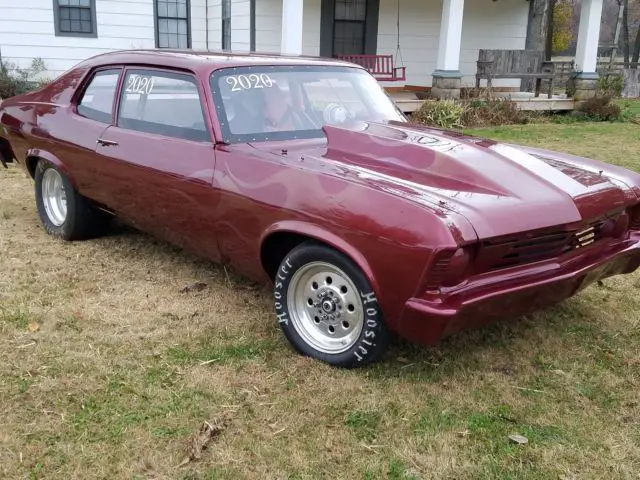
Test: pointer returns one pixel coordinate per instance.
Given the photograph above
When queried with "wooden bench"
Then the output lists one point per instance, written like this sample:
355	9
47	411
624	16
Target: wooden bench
382	67
520	64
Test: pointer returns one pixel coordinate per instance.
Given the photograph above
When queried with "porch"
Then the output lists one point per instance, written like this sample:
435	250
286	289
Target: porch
436	44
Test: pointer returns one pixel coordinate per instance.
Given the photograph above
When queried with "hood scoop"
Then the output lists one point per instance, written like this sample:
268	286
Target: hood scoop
410	155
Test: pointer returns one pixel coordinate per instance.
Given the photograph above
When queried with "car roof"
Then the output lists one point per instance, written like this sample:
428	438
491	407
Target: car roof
207	60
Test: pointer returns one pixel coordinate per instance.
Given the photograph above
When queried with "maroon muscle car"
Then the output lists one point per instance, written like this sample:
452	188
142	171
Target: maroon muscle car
302	171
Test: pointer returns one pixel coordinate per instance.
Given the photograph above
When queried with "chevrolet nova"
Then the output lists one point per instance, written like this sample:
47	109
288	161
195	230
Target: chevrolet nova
301	171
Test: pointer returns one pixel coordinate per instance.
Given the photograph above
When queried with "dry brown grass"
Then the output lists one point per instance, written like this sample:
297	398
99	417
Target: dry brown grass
114	382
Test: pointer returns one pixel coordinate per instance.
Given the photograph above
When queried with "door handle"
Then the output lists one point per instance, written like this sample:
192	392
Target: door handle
106	143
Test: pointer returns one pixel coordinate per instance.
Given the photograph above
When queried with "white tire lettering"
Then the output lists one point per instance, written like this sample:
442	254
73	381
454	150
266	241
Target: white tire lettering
371	312
358	356
282	318
370	334
284	270
372	323
363	350
281	277
278	295
368	297
278	285
367	342
288	263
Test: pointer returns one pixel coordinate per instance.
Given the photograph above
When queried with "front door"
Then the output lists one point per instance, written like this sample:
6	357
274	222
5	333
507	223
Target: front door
157	162
349	27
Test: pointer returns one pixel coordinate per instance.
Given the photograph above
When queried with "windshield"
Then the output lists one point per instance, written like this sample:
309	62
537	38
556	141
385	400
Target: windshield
285	103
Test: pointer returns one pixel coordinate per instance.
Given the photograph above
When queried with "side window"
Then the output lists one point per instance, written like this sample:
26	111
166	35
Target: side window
97	100
163	103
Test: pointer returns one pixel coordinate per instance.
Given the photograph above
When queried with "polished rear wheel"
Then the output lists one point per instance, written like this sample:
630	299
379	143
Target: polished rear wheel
54	196
65	213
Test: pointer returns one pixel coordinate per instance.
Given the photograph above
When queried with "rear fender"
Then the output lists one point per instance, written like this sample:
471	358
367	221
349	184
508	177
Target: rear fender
33	154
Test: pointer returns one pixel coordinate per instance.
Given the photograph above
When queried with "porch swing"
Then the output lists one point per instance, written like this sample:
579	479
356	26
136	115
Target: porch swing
384	68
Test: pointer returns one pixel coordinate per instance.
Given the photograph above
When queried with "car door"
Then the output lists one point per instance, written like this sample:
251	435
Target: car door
158	160
76	132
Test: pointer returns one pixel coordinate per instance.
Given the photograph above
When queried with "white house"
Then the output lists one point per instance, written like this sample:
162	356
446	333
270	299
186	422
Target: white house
438	40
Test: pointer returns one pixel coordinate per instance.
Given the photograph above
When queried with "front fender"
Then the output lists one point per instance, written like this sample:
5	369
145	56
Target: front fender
323	235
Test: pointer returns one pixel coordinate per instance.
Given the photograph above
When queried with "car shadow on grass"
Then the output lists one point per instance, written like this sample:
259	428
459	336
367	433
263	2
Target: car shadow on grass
500	347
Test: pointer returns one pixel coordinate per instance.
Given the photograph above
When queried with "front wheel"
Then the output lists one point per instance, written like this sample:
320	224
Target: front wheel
327	308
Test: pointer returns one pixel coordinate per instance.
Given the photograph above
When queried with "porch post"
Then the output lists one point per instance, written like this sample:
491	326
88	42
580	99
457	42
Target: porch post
292	11
586	78
446	77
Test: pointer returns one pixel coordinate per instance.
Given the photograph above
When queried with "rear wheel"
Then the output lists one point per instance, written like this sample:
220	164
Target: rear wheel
327	308
65	213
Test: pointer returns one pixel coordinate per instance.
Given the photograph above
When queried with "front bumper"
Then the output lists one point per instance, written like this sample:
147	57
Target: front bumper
513	292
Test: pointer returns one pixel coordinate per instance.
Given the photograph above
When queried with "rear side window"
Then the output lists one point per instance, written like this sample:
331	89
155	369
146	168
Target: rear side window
163	103
97	100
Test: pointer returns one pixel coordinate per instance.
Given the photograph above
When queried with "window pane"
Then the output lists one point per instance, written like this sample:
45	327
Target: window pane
75	13
182	27
64	14
351	10
348	38
182	41
182	11
162	9
163	26
173	41
97	101
63	2
165	104
163	40
172	10
173	26
85	3
85	14
65	26
86	27
74	3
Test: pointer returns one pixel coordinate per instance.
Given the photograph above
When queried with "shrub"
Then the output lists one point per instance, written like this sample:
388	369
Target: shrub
474	112
484	113
610	85
441	113
15	80
600	109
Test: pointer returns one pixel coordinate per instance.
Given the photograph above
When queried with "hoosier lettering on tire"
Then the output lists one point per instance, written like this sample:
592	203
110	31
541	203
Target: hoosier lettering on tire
327	308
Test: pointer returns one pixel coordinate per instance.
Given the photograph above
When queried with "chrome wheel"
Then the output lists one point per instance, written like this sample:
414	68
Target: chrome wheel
325	307
54	197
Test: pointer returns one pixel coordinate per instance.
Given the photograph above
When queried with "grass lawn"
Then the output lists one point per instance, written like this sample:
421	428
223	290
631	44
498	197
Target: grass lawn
107	369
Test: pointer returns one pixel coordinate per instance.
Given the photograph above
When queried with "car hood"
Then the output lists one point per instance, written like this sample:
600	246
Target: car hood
499	188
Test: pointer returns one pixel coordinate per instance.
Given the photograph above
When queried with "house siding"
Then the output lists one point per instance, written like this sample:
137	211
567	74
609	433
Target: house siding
27	31
486	24
269	26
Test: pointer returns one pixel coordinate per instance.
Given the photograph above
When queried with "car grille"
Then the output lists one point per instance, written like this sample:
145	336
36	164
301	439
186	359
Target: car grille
514	252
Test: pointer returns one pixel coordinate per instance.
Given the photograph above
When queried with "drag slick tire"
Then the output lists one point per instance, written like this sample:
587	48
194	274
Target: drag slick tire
65	213
327	308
